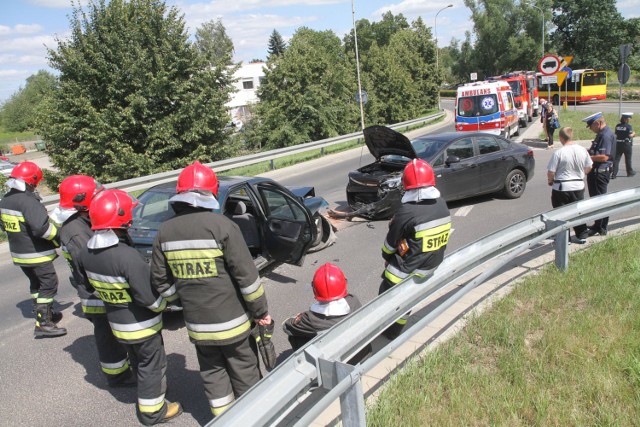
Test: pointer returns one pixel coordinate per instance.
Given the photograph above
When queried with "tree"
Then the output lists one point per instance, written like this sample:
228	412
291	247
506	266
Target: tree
308	95
135	96
276	44
214	44
19	112
590	31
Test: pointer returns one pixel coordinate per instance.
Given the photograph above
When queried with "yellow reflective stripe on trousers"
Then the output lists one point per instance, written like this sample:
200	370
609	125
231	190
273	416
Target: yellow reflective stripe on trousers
34	258
219	331
11	220
149	406
41	300
115	368
220	405
434	238
252	292
136	331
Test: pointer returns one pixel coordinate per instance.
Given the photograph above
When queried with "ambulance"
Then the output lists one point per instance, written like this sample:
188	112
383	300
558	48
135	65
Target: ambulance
486	106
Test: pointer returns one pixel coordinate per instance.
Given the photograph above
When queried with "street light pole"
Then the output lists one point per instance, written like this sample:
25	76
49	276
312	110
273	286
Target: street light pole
542	12
355	39
435	33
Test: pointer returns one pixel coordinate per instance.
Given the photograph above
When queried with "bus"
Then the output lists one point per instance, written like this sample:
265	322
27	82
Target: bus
583	86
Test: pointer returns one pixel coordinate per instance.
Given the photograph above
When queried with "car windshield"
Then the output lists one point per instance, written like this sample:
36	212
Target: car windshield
515	87
477	105
152	210
427	148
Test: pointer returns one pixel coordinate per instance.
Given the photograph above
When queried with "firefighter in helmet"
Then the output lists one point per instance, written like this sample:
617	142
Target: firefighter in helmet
33	240
76	193
418	232
119	275
203	256
333	303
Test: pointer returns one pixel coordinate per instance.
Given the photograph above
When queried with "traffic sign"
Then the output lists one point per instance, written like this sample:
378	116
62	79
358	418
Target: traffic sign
625	50
474	76
549	64
565	70
623	74
547	80
362	97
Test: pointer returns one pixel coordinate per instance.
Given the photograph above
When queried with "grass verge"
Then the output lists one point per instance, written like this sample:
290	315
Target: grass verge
573	119
562	349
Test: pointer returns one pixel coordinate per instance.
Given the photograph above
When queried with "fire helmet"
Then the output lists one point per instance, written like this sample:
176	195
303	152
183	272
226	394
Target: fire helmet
417	174
197	176
77	191
111	209
29	172
329	283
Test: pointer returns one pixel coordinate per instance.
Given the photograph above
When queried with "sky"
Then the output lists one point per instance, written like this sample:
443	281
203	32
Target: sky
27	26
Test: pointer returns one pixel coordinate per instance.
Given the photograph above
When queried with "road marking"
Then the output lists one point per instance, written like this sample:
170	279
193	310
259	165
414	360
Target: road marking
463	211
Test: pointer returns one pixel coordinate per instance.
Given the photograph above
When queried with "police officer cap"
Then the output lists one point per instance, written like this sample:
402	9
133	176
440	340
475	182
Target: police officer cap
627	115
592	118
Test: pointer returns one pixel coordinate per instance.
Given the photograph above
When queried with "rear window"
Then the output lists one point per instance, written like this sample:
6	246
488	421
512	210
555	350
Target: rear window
477	105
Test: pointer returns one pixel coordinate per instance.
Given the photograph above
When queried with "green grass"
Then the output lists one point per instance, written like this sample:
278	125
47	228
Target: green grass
562	349
573	119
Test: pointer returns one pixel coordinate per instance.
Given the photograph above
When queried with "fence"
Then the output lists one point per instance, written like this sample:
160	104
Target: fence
148	181
316	375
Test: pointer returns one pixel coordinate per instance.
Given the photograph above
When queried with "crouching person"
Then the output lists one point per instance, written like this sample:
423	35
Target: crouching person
333	303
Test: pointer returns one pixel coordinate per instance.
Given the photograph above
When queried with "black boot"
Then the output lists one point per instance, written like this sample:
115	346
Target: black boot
56	316
45	327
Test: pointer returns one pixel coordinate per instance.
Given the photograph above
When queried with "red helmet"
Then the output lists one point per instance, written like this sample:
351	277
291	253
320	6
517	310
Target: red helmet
197	176
29	172
417	174
111	209
329	283
77	191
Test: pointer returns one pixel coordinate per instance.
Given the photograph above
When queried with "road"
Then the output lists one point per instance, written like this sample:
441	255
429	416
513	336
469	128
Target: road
58	382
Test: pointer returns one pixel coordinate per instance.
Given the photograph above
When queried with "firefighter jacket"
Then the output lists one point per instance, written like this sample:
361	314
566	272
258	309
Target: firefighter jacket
204	256
417	239
32	237
74	235
119	275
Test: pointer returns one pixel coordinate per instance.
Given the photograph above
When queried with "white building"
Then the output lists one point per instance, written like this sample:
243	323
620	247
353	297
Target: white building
249	77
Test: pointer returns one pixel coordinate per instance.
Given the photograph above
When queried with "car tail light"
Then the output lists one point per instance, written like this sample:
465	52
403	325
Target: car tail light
530	153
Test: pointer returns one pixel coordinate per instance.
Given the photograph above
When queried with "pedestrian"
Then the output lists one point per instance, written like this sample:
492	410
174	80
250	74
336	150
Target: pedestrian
204	258
119	275
624	143
76	193
602	151
566	171
418	232
33	240
550	123
333	303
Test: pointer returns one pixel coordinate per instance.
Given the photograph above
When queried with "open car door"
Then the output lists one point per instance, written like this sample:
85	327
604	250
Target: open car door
290	229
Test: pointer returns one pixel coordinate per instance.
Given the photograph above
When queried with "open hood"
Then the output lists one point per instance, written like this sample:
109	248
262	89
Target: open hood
383	141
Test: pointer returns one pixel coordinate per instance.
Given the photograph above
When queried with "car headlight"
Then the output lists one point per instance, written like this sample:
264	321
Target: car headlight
391	183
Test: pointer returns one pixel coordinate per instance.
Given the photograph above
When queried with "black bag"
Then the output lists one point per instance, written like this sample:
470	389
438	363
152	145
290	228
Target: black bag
262	335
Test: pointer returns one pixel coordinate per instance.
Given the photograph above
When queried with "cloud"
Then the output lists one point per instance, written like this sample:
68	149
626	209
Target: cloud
412	9
219	7
20	29
57	4
34	45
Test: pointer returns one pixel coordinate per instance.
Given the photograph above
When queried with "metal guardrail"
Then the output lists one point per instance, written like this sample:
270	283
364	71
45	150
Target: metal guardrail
148	181
313	377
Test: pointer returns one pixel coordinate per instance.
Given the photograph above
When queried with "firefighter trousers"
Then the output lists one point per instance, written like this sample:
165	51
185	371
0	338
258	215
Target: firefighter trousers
43	282
228	371
152	382
113	357
393	331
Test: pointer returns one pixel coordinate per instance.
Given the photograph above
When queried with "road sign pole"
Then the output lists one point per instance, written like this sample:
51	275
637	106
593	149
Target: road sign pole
620	104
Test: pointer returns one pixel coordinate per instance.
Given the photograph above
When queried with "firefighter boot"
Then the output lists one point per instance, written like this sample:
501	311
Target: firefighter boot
45	327
174	409
56	316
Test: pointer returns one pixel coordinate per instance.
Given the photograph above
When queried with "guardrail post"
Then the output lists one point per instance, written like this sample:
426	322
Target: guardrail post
352	401
562	250
271	164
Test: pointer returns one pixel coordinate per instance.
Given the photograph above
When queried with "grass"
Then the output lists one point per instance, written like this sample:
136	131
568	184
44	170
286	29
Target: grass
573	119
562	349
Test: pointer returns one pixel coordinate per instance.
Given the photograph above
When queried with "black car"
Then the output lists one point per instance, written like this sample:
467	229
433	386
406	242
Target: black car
278	224
466	164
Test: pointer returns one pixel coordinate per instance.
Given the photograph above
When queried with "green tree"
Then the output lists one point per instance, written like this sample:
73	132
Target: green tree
135	96
590	31
308	95
276	44
19	112
375	32
214	44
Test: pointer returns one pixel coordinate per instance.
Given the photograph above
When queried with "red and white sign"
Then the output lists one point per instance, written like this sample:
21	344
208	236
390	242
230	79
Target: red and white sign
549	64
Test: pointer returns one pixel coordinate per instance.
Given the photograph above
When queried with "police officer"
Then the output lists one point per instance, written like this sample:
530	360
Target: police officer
333	303
418	232
33	241
624	143
602	151
203	256
76	193
120	276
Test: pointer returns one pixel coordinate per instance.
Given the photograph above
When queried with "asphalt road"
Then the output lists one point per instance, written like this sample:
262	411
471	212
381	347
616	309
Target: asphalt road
58	382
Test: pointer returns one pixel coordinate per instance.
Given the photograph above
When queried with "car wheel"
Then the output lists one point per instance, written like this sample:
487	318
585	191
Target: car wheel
514	184
555	100
507	132
517	131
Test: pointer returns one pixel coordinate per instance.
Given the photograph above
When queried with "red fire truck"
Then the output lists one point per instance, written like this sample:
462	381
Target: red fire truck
524	86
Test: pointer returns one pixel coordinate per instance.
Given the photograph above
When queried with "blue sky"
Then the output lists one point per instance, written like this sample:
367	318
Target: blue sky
26	26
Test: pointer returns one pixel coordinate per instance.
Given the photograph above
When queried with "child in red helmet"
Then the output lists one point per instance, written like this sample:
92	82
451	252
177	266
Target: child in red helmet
333	303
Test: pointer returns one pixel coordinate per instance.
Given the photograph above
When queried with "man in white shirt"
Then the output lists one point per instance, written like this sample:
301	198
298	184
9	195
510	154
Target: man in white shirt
565	174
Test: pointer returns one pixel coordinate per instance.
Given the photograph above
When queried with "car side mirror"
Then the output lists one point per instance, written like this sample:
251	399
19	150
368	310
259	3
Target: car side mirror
452	159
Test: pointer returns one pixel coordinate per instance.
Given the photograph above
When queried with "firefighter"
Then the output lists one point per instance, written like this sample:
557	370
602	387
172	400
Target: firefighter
119	275
624	145
333	303
33	240
203	256
76	193
418	232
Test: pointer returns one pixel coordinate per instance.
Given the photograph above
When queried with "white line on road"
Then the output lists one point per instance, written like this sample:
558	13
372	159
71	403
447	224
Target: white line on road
463	211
